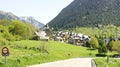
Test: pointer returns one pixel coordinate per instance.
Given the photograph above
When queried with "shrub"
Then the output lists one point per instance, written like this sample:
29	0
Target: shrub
8	36
2	41
94	42
102	46
101	55
43	48
116	46
17	38
34	38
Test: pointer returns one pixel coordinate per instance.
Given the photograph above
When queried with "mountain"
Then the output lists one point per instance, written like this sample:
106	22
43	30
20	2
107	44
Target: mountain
11	16
87	13
8	15
32	21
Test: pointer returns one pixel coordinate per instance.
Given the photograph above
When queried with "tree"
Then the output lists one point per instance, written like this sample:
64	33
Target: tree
16	30
19	28
23	29
2	41
5	22
110	45
4	32
102	46
30	29
3	29
116	46
94	42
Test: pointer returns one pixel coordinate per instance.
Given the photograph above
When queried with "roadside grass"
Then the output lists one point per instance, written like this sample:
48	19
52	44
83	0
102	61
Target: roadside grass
102	62
28	52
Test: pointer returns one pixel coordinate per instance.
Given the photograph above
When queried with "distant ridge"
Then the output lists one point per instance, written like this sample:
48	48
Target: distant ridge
32	21
11	16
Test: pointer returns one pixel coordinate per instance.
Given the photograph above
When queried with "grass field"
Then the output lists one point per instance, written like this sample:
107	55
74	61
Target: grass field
23	53
107	31
102	62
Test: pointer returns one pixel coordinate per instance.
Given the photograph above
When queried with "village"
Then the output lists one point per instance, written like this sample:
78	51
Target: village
79	39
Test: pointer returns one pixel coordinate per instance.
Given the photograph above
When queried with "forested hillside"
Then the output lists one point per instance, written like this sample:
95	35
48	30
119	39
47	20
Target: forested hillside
87	13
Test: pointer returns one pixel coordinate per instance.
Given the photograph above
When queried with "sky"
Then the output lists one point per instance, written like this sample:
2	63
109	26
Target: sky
42	10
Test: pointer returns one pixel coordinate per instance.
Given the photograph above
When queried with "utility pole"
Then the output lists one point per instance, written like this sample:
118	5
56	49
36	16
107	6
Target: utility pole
116	35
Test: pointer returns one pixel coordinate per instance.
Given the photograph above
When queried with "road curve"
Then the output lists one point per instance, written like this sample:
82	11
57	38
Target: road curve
75	62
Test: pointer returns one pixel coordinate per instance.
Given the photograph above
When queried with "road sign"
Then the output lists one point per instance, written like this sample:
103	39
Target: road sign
5	51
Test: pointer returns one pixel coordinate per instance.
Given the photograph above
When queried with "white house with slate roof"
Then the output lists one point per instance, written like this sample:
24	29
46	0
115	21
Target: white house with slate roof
44	33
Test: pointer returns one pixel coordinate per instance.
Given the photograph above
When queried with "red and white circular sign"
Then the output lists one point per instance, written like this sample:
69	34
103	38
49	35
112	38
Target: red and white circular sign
5	51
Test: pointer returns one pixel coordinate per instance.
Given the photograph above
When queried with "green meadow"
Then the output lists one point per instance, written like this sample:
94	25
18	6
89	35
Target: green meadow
28	52
102	62
108	31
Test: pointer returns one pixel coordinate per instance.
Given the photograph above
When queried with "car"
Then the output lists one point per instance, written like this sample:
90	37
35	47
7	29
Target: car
116	56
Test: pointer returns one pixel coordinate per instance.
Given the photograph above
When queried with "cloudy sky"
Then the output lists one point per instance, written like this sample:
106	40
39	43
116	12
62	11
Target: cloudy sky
42	10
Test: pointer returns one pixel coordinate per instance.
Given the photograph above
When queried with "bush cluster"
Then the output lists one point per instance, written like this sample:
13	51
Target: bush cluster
16	30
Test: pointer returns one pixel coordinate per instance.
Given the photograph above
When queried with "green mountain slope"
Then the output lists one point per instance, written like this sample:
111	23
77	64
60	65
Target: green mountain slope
86	13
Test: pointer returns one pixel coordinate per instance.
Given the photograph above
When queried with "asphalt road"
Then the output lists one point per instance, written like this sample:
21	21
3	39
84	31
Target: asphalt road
75	62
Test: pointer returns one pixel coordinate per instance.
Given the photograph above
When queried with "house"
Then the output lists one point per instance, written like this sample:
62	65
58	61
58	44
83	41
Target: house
77	40
72	38
44	33
47	30
60	39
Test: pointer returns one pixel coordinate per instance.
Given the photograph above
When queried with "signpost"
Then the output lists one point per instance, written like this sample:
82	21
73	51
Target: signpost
5	52
107	41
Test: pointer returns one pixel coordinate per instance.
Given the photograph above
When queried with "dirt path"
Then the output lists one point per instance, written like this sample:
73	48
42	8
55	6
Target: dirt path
75	62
